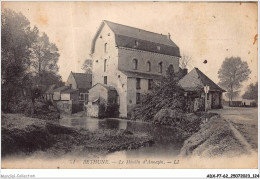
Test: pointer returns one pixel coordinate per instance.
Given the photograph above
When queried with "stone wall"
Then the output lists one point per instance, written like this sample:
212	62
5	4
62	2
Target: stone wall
64	107
115	78
92	110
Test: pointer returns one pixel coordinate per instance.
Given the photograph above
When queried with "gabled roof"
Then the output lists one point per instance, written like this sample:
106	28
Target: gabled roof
127	37
50	89
109	88
68	91
131	74
62	88
195	80
83	80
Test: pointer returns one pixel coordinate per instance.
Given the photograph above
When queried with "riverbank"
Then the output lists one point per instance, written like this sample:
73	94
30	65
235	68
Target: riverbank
215	138
21	134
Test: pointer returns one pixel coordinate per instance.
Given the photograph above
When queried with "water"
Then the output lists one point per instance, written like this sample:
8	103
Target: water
166	139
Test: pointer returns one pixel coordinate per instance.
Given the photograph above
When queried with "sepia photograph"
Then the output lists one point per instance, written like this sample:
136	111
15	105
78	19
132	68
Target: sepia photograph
129	85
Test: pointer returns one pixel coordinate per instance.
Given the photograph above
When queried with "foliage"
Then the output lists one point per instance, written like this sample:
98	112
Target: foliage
231	74
252	92
167	95
29	61
44	58
17	40
87	66
21	106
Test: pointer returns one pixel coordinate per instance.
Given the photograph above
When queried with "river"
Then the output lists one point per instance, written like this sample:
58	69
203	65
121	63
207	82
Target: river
166	139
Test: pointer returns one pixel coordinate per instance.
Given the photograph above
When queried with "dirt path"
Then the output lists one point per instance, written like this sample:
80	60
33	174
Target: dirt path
244	124
240	137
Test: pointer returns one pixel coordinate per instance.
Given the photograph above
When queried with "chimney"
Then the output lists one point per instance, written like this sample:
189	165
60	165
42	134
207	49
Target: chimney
169	36
185	71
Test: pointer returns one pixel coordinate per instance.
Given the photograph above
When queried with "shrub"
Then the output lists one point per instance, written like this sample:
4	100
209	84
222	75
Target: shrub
21	106
168	95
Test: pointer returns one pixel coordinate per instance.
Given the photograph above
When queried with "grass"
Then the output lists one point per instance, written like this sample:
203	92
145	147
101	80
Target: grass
215	138
26	135
249	130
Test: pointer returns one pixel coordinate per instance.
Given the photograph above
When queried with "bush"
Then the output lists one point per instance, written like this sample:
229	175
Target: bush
169	95
168	117
21	106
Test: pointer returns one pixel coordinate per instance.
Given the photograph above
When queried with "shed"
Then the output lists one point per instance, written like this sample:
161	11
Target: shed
193	84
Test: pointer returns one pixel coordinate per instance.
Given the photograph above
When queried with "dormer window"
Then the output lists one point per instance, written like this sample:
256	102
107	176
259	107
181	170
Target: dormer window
105	48
135	64
148	66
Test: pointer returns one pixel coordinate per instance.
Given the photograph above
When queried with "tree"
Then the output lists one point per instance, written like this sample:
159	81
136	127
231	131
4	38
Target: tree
87	66
17	39
232	73
44	58
184	61
252	92
29	61
167	95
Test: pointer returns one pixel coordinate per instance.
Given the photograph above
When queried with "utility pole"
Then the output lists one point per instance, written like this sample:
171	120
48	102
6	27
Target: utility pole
206	90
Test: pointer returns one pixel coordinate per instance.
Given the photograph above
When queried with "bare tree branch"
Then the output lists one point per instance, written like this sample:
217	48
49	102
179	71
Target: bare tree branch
184	61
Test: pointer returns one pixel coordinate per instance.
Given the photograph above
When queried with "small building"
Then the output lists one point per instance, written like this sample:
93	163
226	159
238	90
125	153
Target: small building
249	102
101	94
69	101
193	84
57	92
66	99
48	94
82	82
72	97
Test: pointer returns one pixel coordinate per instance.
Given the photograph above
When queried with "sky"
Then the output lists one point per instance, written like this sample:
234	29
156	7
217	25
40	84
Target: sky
211	31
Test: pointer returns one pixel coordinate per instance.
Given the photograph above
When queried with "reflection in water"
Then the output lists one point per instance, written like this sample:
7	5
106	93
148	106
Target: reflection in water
122	124
166	141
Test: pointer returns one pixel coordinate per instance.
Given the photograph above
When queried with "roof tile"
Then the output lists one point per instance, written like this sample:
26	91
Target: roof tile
195	80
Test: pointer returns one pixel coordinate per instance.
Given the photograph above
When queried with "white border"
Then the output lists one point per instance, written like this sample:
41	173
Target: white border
131	173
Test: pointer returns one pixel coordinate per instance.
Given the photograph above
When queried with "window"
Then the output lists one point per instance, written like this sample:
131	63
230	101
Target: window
158	48
160	67
208	96
148	66
150	84
138	98
105	48
105	65
105	80
170	68
83	97
138	81
135	64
